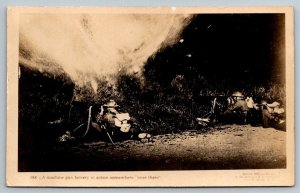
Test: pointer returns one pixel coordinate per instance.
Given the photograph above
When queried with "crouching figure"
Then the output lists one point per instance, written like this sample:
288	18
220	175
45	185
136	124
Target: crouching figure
273	115
232	109
237	109
109	122
116	124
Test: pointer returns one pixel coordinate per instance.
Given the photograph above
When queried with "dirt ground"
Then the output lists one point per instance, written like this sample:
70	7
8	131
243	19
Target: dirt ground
223	147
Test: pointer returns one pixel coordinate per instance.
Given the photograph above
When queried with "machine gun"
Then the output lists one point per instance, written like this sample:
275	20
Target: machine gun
113	124
218	106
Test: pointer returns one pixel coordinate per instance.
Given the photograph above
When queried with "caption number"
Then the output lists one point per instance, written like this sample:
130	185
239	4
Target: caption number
33	177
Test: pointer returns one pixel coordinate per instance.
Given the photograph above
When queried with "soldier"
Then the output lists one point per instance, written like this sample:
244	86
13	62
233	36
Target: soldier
237	108
110	112
106	114
272	115
117	124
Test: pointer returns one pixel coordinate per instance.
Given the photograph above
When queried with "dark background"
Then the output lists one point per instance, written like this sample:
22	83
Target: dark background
235	48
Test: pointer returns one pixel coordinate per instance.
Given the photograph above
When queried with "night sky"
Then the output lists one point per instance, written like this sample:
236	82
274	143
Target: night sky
234	49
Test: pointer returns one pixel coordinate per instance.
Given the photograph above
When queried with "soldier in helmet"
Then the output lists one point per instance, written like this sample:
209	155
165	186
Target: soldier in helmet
237	108
106	114
120	124
273	115
110	111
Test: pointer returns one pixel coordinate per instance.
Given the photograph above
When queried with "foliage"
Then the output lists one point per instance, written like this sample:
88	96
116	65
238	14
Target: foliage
158	108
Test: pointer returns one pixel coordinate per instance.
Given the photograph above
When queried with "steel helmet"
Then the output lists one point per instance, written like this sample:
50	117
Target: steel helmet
111	104
264	102
237	94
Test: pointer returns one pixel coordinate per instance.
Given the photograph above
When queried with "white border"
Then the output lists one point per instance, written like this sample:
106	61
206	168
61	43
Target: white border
279	177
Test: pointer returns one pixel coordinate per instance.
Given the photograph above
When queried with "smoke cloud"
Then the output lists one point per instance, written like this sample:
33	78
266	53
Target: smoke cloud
99	46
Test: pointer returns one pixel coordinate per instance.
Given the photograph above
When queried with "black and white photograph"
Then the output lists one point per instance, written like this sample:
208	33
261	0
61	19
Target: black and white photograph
115	91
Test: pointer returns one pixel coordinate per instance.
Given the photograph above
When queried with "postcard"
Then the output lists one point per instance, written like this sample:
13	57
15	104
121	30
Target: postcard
150	96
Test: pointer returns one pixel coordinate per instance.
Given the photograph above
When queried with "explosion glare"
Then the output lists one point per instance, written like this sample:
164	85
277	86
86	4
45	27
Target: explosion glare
98	46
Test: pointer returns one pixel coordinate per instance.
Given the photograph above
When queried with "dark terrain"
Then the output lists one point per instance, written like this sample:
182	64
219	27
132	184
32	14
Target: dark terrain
227	147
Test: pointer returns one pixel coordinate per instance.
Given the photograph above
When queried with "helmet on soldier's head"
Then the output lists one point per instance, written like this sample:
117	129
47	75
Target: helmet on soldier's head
264	102
111	104
237	95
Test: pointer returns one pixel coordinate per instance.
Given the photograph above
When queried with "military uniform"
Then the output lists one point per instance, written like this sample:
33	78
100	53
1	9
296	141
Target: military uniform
273	116
237	109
